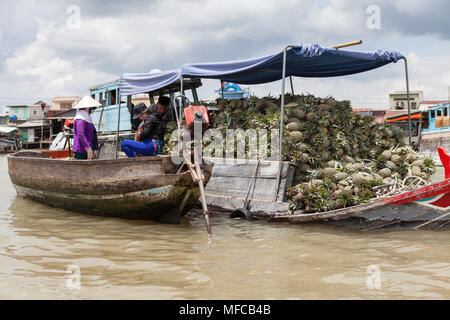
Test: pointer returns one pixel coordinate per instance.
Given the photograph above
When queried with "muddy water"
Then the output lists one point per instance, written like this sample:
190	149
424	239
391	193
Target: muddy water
41	249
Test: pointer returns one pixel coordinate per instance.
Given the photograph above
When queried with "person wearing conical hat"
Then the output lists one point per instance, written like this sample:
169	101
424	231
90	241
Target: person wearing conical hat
84	133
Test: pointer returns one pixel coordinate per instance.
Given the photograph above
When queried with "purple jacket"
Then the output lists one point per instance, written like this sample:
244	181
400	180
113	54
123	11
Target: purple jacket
84	136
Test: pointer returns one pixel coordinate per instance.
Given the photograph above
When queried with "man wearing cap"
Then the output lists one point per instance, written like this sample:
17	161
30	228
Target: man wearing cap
84	134
149	138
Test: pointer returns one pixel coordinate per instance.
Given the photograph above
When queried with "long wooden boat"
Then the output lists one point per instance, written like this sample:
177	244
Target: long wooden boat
133	188
424	208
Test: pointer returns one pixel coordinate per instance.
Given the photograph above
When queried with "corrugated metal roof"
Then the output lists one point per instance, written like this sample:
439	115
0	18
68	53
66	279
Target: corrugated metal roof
32	124
4	129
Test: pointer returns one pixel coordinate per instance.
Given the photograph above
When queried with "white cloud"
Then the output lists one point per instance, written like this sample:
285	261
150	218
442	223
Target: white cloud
139	36
38	72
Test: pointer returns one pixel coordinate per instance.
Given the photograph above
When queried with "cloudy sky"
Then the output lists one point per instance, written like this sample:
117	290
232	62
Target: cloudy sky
47	49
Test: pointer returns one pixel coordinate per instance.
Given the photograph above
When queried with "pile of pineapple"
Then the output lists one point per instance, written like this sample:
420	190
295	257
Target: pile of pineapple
339	156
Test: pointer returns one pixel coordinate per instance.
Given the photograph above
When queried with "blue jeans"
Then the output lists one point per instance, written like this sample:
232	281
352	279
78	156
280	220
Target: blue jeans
149	147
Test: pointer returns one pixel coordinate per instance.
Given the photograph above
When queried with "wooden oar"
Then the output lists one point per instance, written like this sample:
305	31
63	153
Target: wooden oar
244	211
197	176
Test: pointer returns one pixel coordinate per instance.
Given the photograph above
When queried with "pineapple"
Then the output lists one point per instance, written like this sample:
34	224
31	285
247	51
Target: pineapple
296	135
294	126
303	157
416	171
395	158
358	166
386	154
302	147
329	172
331	164
325	156
418	163
385	173
340	176
316	183
391	165
347	159
311	116
298	113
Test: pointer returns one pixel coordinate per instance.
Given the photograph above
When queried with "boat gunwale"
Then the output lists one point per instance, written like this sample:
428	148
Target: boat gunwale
16	156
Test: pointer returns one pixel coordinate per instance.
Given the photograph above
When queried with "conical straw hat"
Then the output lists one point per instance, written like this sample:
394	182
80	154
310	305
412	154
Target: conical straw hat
87	102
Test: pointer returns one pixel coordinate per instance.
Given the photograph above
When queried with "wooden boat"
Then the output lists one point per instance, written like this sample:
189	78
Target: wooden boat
133	188
427	207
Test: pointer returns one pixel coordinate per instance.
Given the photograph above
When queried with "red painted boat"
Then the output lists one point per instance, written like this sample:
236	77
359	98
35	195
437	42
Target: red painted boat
424	208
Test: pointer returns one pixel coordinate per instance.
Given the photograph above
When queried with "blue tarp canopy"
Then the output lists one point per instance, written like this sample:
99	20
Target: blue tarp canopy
310	60
134	83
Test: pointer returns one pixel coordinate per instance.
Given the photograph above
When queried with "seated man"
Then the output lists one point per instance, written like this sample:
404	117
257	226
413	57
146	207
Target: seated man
149	137
168	116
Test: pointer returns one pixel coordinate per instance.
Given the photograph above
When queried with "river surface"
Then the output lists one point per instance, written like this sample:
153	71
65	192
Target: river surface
43	250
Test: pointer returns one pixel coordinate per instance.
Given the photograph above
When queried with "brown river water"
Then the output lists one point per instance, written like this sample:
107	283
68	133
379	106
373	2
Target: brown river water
43	250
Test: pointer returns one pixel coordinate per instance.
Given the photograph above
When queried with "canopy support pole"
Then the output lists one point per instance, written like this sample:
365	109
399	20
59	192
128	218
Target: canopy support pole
292	85
221	88
182	93
283	86
409	102
118	126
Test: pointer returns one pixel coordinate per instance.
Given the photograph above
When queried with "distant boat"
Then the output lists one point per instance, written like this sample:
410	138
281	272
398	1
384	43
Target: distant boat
232	91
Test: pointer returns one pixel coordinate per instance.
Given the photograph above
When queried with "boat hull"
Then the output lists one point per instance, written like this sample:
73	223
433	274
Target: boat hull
424	208
140	188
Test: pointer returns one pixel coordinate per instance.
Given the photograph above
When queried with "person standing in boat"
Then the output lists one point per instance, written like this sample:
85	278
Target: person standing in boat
149	137
84	133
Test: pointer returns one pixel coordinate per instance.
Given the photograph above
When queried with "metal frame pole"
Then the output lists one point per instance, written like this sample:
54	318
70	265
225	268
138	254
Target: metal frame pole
283	86
118	125
409	102
292	85
182	93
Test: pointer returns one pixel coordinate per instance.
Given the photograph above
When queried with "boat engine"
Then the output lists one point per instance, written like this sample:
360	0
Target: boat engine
196	114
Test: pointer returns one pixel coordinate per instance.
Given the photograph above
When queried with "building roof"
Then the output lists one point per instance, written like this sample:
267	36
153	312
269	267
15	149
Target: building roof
39	103
361	109
32	124
368	110
6	129
404	92
396	115
73	98
104	85
18	106
68	114
434	101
